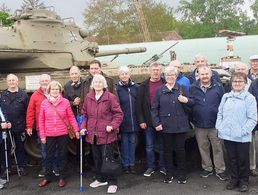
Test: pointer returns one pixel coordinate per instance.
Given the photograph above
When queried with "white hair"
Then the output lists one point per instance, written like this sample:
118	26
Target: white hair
123	69
170	70
101	78
199	55
76	68
12	75
43	76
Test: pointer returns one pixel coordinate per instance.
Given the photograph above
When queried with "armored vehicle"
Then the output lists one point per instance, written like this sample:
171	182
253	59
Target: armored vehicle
39	41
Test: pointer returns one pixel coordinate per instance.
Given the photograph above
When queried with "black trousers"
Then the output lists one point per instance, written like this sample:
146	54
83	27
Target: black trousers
174	142
58	143
238	160
98	153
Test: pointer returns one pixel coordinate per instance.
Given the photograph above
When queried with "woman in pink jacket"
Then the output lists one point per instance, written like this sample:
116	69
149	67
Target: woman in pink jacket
103	117
55	114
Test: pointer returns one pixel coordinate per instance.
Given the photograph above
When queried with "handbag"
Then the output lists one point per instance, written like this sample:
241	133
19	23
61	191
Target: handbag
111	164
71	131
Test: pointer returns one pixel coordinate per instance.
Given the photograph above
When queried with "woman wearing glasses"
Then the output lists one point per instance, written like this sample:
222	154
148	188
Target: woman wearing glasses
237	117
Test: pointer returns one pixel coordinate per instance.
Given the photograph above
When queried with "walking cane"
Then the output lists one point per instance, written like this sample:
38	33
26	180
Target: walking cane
4	136
14	153
80	119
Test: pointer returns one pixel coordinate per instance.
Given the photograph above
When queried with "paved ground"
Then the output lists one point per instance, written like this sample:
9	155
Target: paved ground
128	184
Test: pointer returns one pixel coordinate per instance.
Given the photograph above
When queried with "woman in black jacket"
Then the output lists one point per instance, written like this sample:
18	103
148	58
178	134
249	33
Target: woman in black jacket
169	114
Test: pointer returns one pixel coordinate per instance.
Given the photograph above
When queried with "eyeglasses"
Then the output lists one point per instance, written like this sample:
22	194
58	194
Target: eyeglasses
170	75
238	81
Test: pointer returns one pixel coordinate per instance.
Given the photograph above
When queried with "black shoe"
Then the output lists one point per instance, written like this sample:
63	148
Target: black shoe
205	173
126	169
42	173
132	169
168	179
181	180
222	176
22	171
231	185
244	188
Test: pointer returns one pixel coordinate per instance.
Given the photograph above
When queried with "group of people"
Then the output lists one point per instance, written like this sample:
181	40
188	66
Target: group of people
162	106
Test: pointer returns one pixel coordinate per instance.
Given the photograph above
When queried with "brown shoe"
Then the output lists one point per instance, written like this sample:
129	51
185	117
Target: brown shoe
43	183
61	183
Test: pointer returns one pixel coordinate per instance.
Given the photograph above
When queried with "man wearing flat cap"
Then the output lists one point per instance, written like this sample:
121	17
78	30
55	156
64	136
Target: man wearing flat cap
253	71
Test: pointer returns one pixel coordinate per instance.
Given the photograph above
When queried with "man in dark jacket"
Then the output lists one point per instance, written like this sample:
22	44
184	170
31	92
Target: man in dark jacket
72	92
15	102
207	94
95	68
145	98
199	61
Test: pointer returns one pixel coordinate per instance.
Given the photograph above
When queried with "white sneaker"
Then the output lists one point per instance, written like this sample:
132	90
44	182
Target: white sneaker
112	189
2	181
1	186
96	184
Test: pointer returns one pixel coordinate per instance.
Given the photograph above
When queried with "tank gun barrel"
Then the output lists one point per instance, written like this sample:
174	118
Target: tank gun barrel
121	51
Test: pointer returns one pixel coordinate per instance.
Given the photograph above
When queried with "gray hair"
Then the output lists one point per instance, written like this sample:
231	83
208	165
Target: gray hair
47	76
199	55
101	78
204	68
123	69
75	68
170	70
12	75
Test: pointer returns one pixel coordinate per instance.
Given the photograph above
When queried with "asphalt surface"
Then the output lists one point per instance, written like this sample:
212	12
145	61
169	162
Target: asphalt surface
127	184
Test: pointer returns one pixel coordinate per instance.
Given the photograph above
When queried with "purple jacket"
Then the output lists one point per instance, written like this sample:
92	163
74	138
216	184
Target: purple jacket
99	114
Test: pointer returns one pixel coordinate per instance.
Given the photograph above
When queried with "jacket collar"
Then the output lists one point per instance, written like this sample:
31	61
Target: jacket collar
104	97
166	90
130	83
238	95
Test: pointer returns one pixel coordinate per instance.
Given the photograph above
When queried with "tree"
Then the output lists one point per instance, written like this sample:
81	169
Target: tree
116	21
254	8
214	13
4	18
33	4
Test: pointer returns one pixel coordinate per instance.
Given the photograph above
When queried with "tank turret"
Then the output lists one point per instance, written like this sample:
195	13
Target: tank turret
40	39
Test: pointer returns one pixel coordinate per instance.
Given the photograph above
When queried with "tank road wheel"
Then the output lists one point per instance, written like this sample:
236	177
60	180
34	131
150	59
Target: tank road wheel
33	146
72	147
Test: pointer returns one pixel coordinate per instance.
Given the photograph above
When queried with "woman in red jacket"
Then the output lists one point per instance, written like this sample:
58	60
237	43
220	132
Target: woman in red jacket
55	114
103	117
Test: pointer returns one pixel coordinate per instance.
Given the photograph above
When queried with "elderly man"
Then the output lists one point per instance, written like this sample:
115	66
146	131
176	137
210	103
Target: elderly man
15	102
144	101
72	92
32	117
199	61
253	71
181	78
207	94
95	68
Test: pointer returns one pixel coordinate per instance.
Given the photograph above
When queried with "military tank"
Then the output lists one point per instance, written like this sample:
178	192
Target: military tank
40	41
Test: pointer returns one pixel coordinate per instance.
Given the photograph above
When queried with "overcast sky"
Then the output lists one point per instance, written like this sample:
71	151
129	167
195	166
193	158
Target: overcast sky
67	8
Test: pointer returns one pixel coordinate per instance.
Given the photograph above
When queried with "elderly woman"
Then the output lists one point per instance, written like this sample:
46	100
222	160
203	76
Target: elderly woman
126	90
103	118
237	117
54	117
170	117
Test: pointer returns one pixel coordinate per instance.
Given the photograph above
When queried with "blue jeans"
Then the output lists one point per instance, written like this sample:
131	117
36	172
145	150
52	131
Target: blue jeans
44	154
128	145
153	137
